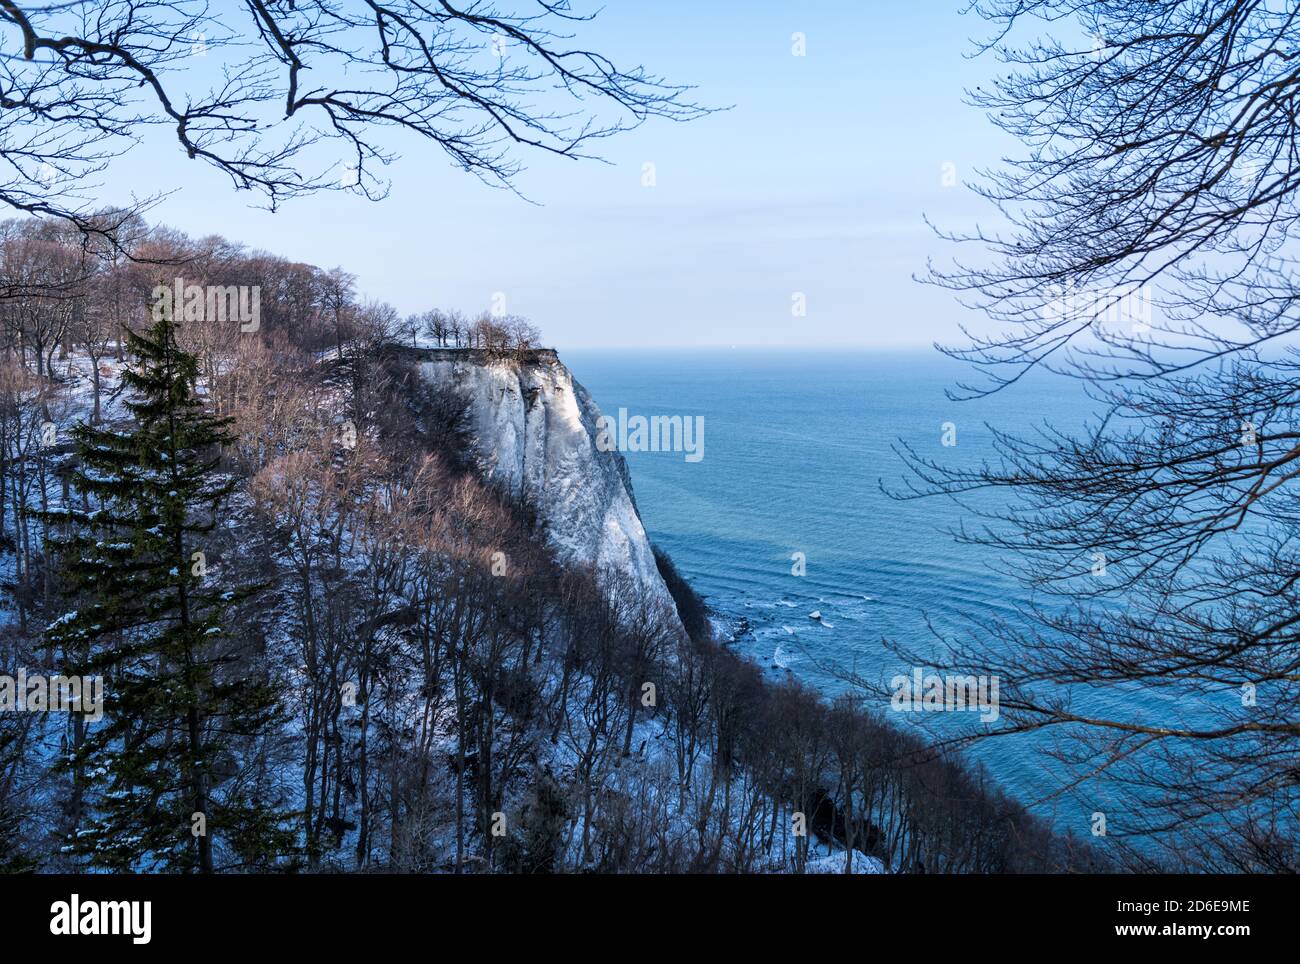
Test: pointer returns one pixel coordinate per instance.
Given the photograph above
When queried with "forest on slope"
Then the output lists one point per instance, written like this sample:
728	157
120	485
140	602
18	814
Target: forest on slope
356	653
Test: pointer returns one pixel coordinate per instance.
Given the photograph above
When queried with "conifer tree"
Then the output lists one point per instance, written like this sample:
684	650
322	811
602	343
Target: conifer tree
13	858
177	699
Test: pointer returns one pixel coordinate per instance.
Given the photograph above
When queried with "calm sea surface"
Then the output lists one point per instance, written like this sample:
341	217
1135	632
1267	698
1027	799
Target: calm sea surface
796	447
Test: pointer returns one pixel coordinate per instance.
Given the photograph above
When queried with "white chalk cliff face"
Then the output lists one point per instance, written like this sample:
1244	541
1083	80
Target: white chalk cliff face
534	431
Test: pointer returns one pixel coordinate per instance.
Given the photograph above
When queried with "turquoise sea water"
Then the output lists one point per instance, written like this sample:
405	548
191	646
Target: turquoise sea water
796	445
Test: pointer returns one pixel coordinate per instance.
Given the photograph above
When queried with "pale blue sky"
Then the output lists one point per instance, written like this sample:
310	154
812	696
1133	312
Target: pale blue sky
816	181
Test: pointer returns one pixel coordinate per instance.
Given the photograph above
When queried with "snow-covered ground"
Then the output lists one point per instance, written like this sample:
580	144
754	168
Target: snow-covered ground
535	432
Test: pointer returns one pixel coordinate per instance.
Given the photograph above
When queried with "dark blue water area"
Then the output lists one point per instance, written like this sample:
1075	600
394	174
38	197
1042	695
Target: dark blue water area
796	447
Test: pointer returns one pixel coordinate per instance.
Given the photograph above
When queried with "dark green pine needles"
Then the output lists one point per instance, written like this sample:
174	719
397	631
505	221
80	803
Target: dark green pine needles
156	785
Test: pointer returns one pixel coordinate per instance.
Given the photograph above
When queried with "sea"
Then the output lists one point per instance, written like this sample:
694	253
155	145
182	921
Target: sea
787	511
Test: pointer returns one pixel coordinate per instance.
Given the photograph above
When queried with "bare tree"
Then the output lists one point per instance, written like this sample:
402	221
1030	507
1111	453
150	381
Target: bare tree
303	81
521	334
1145	248
43	273
112	298
433	325
338	302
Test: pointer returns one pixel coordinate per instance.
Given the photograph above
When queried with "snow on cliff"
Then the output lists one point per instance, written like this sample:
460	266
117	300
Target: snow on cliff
534	429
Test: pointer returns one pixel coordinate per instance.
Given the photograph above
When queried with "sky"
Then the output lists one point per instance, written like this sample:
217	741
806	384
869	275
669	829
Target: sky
814	184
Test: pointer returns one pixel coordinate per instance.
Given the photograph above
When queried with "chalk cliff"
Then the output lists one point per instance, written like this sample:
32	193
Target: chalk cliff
534	431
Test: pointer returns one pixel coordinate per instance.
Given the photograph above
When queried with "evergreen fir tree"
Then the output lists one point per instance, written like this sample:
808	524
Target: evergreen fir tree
13	858
176	698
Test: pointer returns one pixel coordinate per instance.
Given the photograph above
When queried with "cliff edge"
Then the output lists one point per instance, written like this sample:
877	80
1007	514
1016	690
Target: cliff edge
534	432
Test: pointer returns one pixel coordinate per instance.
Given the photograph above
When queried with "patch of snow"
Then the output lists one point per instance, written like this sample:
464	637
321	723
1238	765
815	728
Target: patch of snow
834	864
62	620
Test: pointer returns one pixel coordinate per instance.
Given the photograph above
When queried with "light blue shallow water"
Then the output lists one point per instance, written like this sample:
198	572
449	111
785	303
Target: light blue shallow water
795	448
